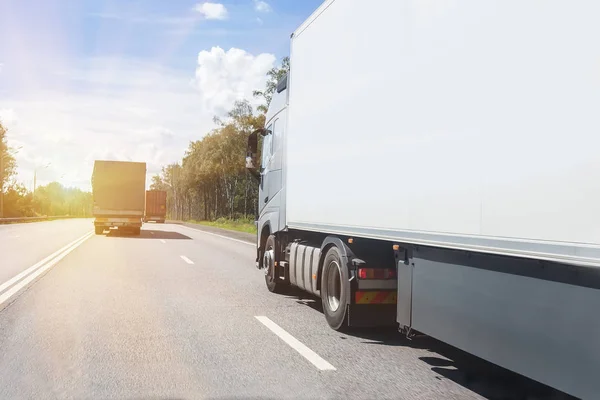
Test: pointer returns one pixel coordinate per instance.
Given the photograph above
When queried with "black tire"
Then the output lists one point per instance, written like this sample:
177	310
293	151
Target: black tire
99	230
275	285
335	290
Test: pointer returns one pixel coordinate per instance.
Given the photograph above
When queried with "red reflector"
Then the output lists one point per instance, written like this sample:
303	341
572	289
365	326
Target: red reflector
376	273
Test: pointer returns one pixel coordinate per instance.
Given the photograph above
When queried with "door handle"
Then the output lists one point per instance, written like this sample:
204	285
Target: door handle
266	199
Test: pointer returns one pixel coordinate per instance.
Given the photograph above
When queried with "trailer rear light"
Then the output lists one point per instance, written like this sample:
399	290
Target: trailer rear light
376	273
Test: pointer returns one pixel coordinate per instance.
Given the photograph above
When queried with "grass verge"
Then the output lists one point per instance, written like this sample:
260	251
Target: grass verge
239	225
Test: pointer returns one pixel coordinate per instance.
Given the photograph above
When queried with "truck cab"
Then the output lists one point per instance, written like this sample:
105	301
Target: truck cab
270	170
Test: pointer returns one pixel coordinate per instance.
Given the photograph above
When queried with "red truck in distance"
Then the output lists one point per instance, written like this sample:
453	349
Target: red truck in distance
156	206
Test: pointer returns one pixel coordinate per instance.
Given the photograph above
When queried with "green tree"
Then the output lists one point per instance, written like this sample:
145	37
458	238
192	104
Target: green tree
158	184
214	177
274	75
57	200
52	199
18	202
8	163
211	181
7	167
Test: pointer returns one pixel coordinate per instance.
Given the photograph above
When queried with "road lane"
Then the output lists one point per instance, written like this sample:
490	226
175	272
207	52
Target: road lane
366	368
23	245
11	288
125	317
121	317
371	363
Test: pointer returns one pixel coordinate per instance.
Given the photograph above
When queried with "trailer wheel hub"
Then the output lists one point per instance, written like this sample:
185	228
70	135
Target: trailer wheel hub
334	286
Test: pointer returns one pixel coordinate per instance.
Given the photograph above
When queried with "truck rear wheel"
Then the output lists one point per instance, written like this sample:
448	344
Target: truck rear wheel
99	230
274	284
334	290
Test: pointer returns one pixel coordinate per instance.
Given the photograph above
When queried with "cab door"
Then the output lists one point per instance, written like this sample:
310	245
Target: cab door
266	166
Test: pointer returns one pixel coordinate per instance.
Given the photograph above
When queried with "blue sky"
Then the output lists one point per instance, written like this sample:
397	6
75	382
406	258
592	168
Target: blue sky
129	79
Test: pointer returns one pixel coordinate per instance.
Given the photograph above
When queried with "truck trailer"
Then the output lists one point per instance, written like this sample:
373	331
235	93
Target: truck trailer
156	206
435	165
119	189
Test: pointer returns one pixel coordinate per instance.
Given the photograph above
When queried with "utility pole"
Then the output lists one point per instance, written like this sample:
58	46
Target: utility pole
35	181
35	176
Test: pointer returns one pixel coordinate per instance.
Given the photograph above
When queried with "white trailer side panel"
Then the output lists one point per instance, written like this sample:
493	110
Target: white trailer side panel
467	124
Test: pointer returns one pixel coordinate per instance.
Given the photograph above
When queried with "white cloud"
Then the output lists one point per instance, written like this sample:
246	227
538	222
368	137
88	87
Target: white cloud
262	6
8	117
212	10
259	21
225	76
1	66
122	109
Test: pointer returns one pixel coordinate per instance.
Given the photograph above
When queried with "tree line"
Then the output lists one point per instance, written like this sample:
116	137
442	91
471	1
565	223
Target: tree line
211	180
51	200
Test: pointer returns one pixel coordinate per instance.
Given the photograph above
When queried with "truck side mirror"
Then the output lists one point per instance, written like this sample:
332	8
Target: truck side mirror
251	153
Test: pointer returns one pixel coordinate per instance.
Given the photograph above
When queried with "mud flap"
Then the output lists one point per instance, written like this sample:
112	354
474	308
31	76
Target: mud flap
372	315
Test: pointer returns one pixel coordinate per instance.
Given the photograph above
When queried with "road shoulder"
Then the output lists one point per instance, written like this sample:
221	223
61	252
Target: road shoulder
243	236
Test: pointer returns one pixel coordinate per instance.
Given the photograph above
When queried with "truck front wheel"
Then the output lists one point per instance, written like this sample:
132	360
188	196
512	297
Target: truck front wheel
274	283
334	290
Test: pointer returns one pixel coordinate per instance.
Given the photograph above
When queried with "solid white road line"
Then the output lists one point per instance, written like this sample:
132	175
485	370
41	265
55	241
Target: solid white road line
163	241
214	234
187	260
29	270
295	344
16	288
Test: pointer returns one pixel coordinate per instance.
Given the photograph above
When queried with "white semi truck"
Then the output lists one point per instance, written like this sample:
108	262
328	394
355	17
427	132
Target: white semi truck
436	164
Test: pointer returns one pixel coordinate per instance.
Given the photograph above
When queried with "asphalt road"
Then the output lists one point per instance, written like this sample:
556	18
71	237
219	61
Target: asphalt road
181	313
22	245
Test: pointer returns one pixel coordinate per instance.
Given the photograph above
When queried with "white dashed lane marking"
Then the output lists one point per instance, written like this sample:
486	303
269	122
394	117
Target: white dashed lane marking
187	260
295	344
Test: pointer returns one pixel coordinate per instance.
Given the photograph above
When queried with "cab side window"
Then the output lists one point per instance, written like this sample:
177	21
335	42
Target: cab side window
267	148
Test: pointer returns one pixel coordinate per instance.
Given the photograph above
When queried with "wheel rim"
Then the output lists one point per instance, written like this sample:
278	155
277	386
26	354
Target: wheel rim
334	285
268	258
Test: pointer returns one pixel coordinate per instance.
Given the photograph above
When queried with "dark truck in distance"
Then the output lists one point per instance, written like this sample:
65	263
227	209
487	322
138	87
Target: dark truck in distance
118	189
156	206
